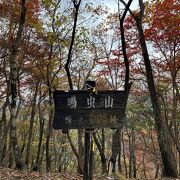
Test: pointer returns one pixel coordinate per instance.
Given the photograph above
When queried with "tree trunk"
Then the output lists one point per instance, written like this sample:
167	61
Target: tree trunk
75	151
76	10
49	132
4	129
59	165
169	161
144	167
101	148
33	111
130	156
103	158
13	87
36	166
132	159
10	157
91	158
87	147
119	161
4	123
157	171
124	154
163	134
80	152
115	149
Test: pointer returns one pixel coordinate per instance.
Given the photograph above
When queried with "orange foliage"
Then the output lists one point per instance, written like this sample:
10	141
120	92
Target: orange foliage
11	10
165	20
164	33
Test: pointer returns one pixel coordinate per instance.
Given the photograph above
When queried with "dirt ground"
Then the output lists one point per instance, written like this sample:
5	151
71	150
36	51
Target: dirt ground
11	174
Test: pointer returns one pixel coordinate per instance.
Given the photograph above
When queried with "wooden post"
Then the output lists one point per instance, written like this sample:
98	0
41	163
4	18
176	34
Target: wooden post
91	159
88	156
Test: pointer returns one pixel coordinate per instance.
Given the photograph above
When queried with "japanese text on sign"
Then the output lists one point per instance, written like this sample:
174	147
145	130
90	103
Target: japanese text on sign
82	109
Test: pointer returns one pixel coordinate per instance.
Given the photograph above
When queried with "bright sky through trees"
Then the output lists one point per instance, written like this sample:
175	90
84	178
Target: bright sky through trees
114	7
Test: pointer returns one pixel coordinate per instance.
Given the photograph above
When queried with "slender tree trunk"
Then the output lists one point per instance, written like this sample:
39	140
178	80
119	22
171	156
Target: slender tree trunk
4	129
49	132
119	161
144	167
91	158
163	134
4	123
134	157
30	134
103	160
68	62
127	85
24	140
115	149
10	157
80	151
13	87
36	166
124	155
76	10
169	161
75	152
157	171
116	143
101	148
87	147
60	156
130	156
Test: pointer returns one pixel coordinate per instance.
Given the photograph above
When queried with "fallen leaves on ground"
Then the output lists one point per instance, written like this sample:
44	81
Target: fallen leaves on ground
12	174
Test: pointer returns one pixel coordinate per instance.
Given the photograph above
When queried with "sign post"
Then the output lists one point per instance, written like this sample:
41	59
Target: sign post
84	109
88	144
89	109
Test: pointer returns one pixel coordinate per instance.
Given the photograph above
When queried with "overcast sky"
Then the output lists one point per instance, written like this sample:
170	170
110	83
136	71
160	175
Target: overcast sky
113	5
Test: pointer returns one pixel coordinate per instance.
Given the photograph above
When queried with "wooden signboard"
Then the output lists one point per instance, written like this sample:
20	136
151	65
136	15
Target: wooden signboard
84	109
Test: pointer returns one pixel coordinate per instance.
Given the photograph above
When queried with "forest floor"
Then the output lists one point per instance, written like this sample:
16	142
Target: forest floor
12	174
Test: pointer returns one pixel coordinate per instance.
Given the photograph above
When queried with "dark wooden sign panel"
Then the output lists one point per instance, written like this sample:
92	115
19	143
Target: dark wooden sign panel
84	109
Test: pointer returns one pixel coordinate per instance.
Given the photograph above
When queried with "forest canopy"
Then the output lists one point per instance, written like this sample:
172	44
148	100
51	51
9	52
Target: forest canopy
52	45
